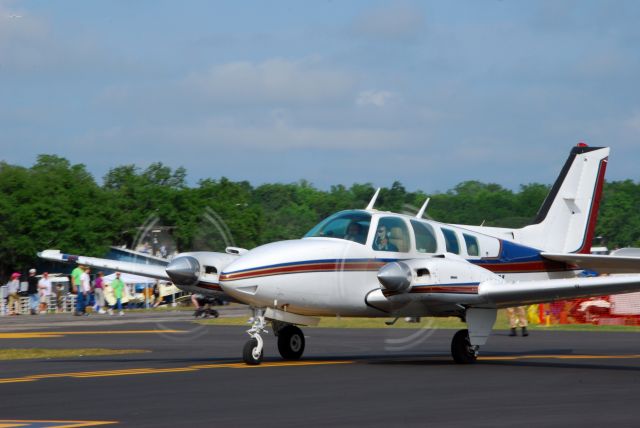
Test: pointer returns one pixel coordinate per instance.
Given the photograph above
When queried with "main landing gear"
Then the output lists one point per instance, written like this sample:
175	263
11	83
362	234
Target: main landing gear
461	349
466	343
290	340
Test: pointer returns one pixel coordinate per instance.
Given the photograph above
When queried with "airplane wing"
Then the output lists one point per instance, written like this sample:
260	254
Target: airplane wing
504	295
151	271
599	263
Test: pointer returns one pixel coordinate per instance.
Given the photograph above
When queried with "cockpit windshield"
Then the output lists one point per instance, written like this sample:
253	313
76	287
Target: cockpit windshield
349	225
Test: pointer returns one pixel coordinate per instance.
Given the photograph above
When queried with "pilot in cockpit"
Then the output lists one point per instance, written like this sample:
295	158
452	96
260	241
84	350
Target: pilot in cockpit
381	242
355	233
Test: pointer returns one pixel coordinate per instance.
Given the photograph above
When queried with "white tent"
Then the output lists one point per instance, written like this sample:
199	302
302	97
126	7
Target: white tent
129	278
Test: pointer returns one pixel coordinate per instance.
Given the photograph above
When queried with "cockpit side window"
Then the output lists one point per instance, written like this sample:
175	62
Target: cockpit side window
425	237
348	225
391	235
450	238
472	245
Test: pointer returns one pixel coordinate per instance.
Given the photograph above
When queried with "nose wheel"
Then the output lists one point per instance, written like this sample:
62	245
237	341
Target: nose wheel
290	339
252	352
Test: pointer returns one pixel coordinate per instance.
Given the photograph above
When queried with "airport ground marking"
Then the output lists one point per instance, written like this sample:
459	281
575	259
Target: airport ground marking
9	423
133	371
56	334
559	357
149	370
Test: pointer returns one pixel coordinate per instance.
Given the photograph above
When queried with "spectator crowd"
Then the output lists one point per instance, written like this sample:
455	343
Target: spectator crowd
41	294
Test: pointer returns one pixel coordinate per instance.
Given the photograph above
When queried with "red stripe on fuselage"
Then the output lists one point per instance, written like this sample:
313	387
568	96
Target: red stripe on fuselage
526	267
444	289
306	268
437	289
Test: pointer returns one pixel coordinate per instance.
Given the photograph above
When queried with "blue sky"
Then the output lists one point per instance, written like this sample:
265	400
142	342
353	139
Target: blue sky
430	93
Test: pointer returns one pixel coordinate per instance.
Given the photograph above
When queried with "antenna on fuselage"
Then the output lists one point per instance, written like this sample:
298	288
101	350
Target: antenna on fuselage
424	207
373	200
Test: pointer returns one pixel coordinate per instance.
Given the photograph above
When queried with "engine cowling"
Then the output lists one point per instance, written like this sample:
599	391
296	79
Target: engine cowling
433	274
395	277
201	268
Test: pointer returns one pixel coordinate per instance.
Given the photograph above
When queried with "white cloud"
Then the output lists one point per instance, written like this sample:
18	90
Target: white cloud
221	134
275	80
279	134
22	40
398	22
375	98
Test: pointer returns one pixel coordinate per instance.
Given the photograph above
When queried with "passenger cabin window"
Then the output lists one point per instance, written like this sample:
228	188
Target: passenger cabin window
450	238
425	237
472	245
391	235
348	225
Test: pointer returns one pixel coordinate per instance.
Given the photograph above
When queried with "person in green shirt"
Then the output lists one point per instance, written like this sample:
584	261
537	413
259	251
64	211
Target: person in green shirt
118	292
76	284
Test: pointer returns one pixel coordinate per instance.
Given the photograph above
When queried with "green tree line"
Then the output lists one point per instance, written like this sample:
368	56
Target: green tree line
55	204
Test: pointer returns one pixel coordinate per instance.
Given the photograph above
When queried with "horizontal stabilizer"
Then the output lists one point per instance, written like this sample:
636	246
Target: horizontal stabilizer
504	295
599	263
151	271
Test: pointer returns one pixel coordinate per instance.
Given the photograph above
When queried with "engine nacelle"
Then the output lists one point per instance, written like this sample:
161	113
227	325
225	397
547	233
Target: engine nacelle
197	268
442	273
395	277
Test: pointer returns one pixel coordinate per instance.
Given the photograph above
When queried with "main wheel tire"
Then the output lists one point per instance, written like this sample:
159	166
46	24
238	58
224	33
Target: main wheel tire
461	349
249	354
291	342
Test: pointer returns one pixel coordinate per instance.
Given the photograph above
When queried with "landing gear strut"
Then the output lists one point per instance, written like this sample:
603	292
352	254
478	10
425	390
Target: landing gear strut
290	337
462	350
290	342
253	350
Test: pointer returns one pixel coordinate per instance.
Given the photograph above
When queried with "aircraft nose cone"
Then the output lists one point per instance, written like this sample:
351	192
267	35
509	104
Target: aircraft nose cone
184	270
395	276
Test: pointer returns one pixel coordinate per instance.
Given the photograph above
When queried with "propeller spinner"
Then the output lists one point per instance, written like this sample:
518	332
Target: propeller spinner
184	270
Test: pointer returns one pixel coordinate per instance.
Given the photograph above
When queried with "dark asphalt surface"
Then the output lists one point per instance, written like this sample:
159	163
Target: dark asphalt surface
359	377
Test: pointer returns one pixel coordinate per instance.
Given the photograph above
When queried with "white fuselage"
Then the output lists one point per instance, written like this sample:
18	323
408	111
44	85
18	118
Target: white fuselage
321	275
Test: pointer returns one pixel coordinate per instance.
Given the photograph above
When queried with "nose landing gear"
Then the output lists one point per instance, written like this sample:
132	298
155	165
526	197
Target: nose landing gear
290	337
252	352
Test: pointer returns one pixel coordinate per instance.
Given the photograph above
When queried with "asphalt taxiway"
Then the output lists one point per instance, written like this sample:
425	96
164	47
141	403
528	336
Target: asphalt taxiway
193	374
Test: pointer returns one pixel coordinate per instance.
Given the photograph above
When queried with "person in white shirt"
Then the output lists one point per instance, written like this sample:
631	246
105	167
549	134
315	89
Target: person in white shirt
13	287
85	280
85	289
44	288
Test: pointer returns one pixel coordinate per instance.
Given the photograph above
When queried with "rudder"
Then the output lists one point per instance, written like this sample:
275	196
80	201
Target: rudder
567	218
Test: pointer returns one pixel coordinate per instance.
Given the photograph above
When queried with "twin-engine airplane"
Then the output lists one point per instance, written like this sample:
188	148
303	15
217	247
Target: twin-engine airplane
369	263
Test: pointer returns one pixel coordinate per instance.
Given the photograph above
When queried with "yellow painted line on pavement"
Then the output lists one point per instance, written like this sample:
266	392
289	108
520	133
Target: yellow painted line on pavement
54	334
561	357
149	370
6	423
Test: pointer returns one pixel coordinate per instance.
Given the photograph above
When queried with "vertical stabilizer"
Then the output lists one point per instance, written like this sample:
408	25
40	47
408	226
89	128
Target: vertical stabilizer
567	218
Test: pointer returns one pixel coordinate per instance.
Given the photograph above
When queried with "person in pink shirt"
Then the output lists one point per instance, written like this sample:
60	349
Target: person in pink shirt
98	292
